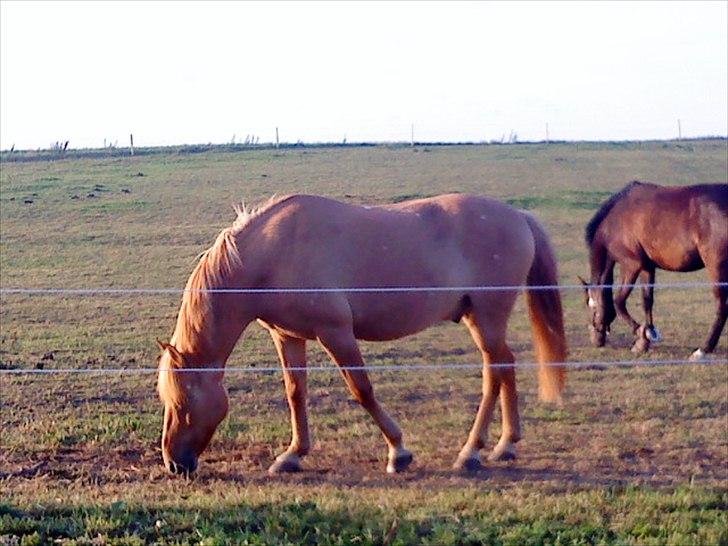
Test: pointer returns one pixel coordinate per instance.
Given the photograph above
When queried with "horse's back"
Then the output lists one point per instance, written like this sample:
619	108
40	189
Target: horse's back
438	233
672	226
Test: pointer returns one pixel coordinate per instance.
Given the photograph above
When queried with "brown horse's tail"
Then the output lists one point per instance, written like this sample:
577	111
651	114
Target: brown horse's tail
547	317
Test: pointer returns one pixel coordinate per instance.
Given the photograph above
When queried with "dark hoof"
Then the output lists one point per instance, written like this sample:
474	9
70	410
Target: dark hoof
281	466
472	464
400	463
502	456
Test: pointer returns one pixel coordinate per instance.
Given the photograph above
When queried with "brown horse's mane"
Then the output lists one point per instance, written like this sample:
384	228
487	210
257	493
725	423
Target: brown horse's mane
214	266
593	225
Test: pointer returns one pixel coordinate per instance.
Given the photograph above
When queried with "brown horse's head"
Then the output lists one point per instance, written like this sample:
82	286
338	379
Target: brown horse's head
600	303
194	405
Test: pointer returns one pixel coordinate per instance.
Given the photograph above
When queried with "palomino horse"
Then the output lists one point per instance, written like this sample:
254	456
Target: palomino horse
304	241
644	227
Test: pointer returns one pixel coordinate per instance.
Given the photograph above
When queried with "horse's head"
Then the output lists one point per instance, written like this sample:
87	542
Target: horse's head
194	405
600	303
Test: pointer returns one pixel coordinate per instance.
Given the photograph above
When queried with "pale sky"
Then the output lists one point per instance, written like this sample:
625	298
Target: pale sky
187	72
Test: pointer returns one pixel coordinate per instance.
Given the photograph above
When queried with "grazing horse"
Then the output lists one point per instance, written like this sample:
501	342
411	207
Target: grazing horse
303	241
644	227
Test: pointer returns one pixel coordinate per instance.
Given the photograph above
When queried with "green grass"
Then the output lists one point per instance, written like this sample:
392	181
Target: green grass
634	456
328	516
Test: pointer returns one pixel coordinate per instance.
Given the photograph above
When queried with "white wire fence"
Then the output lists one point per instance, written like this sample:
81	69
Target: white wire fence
595	365
333	290
100	291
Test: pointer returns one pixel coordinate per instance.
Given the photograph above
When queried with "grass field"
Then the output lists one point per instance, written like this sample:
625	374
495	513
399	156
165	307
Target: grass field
636	455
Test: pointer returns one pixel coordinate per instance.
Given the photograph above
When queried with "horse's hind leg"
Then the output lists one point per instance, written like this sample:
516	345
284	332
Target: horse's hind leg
718	274
505	449
292	353
496	380
343	348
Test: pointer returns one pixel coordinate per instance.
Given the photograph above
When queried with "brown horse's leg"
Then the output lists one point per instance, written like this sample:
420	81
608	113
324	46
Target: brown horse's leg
292	353
629	275
718	274
629	272
647	276
492	345
343	348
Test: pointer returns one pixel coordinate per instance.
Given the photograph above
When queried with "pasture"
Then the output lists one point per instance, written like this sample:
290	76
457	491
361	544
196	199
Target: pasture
636	454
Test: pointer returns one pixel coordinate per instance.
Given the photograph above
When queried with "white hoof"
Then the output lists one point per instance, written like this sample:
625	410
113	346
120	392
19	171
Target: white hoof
698	356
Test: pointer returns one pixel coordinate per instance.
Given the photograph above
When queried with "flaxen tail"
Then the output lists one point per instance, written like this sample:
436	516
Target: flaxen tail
547	317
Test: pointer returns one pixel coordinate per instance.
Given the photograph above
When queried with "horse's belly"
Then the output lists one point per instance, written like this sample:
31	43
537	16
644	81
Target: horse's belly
396	316
387	331
684	261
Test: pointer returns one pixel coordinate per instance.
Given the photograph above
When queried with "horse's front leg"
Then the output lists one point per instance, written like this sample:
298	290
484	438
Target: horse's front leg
648	331
292	353
341	345
629	275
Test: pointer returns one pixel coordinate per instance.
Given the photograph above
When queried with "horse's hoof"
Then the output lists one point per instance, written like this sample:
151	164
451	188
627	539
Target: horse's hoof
400	462
470	464
504	453
640	346
698	356
653	334
286	463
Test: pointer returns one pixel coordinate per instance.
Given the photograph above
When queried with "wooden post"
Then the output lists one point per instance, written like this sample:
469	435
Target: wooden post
547	133
277	143
679	130
412	135
131	143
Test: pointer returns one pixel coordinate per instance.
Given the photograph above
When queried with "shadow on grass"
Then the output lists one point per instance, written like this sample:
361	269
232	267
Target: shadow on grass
281	523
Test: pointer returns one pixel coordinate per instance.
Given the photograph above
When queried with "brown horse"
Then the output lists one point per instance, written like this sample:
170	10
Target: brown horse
644	227
305	241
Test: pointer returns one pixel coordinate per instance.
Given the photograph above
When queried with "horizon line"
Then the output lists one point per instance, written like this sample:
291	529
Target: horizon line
116	149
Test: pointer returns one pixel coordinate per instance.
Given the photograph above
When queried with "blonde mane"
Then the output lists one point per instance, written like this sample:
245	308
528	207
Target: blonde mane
215	265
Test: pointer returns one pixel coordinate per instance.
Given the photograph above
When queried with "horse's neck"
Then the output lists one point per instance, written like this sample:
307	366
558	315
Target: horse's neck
602	267
208	339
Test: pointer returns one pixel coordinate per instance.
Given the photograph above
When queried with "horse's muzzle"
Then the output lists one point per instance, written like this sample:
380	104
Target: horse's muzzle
186	466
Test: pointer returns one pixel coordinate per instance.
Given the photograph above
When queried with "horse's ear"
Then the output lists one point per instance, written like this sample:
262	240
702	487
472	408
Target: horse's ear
585	285
172	350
